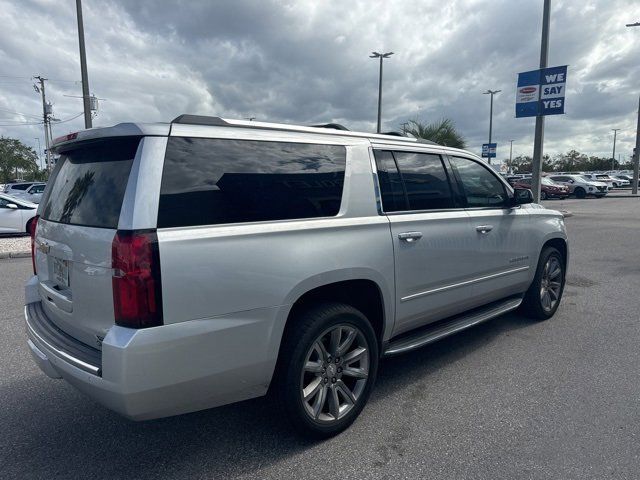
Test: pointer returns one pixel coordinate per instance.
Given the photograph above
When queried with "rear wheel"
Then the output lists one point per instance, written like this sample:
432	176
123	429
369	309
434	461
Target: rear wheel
543	296
543	195
327	368
580	192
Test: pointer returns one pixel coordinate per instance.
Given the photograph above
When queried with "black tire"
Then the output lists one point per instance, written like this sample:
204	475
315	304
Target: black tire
533	305
543	195
311	326
580	192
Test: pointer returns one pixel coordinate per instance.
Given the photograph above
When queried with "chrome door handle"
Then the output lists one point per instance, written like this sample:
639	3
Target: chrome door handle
484	228
410	236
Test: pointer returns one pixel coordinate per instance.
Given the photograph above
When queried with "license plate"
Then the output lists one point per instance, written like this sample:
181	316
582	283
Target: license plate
61	272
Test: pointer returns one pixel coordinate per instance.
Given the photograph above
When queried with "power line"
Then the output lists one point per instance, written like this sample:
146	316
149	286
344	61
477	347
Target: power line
18	113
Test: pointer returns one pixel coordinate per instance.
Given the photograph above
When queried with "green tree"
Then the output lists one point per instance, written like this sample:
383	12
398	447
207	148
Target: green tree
442	132
17	160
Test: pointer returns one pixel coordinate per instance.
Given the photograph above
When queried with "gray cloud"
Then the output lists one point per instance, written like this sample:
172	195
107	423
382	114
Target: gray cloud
307	61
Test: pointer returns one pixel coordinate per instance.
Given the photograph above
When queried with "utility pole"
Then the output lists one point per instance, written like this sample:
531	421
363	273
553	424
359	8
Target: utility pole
45	117
613	157
510	156
492	93
636	153
83	68
539	135
381	56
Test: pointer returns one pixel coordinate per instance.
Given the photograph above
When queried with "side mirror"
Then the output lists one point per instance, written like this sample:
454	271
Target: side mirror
522	196
12	206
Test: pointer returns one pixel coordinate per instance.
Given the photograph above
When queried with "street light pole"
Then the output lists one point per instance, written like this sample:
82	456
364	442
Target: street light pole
83	68
536	168
510	156
39	152
45	118
381	56
636	153
492	93
613	157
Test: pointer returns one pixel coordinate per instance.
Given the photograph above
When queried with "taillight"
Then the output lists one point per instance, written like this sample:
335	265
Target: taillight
137	291
33	225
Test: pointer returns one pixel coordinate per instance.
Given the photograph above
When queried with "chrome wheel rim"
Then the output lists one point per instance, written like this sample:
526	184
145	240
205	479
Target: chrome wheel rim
551	284
335	373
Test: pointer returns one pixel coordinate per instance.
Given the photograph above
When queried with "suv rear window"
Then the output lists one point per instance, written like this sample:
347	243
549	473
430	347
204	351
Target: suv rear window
89	183
215	181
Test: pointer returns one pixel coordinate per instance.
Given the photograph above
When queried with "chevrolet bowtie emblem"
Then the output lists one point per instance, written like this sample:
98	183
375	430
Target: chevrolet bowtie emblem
44	247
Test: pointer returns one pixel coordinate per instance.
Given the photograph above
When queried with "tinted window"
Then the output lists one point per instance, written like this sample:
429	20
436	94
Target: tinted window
20	186
212	181
526	181
89	183
425	180
481	187
37	189
391	189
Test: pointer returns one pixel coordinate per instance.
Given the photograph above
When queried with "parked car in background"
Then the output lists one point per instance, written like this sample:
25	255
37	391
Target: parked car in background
16	215
548	188
209	260
581	186
627	180
32	194
18	187
602	177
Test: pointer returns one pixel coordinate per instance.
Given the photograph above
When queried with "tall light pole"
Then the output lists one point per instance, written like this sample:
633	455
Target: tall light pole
636	153
536	167
613	156
492	93
510	156
381	56
83	68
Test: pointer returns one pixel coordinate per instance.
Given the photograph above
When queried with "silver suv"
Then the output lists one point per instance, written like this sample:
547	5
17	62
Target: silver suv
188	265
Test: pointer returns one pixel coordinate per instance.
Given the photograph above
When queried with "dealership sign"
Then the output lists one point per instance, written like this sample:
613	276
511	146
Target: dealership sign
489	150
541	92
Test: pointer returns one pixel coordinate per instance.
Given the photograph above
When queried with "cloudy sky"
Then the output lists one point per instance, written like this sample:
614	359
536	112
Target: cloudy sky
306	61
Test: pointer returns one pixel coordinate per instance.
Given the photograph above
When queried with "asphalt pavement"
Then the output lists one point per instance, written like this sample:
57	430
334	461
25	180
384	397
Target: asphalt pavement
509	399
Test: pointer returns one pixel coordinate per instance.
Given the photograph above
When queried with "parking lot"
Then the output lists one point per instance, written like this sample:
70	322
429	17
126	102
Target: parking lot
507	399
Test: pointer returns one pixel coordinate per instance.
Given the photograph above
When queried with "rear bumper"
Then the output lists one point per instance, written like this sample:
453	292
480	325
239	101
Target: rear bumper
163	371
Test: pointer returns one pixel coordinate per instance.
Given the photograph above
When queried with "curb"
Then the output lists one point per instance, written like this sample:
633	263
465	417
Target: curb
5	255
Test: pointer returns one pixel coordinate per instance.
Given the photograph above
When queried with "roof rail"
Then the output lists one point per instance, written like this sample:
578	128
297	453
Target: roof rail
199	120
424	140
395	134
335	126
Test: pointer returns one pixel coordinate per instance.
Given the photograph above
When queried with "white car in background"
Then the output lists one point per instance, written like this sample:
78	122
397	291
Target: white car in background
16	215
32	194
602	177
581	186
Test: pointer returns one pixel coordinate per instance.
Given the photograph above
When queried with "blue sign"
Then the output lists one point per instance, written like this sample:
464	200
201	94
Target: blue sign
541	92
489	150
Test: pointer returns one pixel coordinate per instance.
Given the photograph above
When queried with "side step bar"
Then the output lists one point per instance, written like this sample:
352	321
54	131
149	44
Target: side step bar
442	329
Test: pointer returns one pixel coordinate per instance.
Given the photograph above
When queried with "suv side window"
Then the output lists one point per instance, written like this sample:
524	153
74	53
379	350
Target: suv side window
425	180
421	183
481	187
209	181
394	198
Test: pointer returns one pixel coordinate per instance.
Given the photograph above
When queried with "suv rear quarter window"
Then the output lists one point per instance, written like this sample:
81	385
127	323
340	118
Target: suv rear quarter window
217	181
89	182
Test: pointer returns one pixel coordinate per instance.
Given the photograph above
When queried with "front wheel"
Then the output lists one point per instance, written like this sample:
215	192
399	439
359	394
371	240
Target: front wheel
580	192
543	296
328	365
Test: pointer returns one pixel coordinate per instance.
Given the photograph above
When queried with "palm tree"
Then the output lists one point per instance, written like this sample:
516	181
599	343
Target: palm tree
442	132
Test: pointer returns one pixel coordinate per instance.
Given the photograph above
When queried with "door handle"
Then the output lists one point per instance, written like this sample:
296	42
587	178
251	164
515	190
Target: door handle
410	236
484	228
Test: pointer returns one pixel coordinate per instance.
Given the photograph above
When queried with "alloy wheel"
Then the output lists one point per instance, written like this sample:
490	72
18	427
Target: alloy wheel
335	373
551	283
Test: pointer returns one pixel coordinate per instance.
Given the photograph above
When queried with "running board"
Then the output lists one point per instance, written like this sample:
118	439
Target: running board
442	329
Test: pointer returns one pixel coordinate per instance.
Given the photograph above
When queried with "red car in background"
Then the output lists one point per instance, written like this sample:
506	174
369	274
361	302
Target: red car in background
548	188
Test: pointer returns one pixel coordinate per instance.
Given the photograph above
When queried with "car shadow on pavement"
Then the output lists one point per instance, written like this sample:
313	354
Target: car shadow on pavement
54	431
